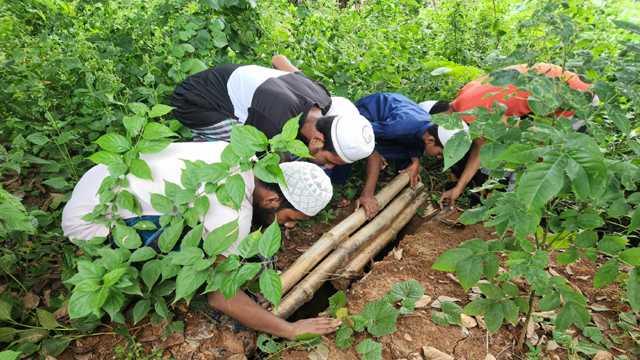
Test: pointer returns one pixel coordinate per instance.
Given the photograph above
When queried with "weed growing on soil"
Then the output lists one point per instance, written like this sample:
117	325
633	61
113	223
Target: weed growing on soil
580	188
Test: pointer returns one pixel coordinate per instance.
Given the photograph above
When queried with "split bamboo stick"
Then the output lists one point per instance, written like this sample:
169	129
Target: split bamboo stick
332	238
303	292
368	252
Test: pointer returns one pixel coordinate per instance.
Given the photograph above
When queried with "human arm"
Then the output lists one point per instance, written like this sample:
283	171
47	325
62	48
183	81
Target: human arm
252	315
414	172
367	198
281	62
471	168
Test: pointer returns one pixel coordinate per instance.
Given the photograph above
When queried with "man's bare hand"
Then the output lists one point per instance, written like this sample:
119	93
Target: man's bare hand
370	205
383	163
414	174
450	196
320	326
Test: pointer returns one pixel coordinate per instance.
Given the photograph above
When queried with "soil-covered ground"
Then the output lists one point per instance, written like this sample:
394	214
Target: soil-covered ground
210	335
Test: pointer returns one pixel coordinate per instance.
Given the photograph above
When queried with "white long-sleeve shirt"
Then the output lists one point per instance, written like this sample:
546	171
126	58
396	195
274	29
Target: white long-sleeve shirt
165	165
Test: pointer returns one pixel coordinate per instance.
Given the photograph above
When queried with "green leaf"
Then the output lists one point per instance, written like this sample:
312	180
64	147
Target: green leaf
235	189
370	350
153	146
618	118
633	290
383	317
170	235
593	333
635	220
140	169
568	256
469	271
159	110
46	319
510	311
187	256
161	307
141	310
126	237
489	154
188	281
271	286
453	311
626	25
112	277
510	289
542	181
586	239
572	313
193	237
249	245
297	147
106	158
246	140
585	165
521	154
337	301
493	317
478	246
113	142
133	124
290	129
408	306
155	131
456	148
589	221
202	204
271	240
219	240
38	138
491	291
193	66
219	38
619	208
14	217
7	335
490	269
549	302
631	256
606	274
611	244
142	254
449	260
407	290
344	337
151	271
54	346
477	307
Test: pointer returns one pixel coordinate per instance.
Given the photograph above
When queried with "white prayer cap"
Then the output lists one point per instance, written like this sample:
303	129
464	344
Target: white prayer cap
309	188
444	135
427	105
351	133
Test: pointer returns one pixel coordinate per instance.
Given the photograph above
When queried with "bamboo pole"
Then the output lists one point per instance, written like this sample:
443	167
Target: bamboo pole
368	252
303	292
332	238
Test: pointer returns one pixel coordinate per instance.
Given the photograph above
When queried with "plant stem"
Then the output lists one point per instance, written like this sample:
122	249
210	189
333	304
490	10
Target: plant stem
525	326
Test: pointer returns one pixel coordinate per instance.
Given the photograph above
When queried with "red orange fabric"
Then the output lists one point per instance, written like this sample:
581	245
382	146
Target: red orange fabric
473	94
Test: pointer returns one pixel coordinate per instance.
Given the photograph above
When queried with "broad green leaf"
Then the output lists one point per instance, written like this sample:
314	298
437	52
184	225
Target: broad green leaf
472	216
290	129
14	218
542	181
633	290
549	302
586	239
151	271
202	204
7	335
449	260
140	169
159	110
491	291
235	189
635	220
572	313
469	271
607	273
112	277
249	245
147	146
619	208
54	346
407	290
618	118
271	286
161	307
510	289
156	131
502	77
46	319
219	240
128	201
441	318
133	124
113	142
611	244
522	154
490	269
38	138
78	305
585	165
493	317
453	311
383	317
626	25
478	246
188	281
336	301
193	237
456	148
489	154
589	221
407	307
246	140
170	235
141	310
631	256
568	256
126	237
187	256
344	337
142	254
106	158
271	240
370	350
510	311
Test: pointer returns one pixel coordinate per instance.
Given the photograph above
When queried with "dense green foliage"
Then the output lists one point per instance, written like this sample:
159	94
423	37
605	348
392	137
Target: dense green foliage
71	72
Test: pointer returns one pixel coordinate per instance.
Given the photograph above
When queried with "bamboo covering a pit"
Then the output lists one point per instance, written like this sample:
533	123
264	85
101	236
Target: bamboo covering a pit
368	252
303	292
332	238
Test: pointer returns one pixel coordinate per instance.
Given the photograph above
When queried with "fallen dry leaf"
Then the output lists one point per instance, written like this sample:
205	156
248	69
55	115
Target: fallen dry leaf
397	254
86	356
60	313
319	353
489	357
31	300
603	355
426	299
175	339
544	314
532	337
453	277
407	337
468	321
431	353
480	320
240	357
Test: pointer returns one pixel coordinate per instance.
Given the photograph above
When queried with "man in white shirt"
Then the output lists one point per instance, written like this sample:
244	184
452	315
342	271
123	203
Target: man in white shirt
309	190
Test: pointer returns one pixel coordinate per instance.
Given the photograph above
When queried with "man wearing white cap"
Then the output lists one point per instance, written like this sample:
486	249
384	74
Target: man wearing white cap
403	131
309	191
210	102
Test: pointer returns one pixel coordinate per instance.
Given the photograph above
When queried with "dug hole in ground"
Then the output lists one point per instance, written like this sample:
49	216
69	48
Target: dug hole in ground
209	334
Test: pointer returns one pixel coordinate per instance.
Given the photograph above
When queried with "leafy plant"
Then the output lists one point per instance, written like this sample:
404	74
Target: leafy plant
568	184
